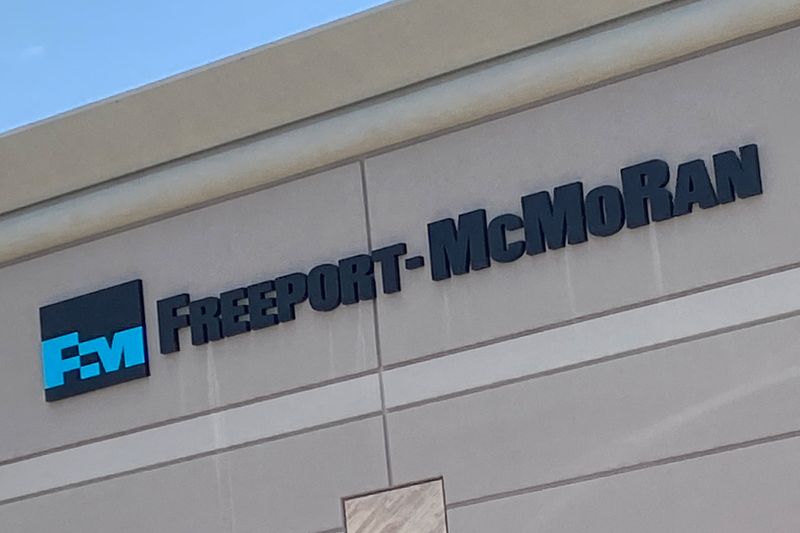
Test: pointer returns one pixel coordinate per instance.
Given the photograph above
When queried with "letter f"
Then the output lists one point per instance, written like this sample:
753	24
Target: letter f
54	366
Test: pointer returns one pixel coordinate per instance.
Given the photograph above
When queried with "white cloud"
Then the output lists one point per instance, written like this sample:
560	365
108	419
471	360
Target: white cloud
32	52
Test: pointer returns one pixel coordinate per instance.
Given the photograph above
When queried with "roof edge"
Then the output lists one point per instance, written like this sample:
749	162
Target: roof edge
535	76
347	61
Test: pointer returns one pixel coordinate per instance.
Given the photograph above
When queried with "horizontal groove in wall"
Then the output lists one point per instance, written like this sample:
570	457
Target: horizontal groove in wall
191	416
437	355
189	458
537	76
191	438
666	461
634	330
774	296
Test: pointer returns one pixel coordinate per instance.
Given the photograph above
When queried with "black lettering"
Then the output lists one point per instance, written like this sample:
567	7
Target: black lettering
231	310
458	250
290	290
390	266
738	176
645	184
204	321
693	186
260	305
499	247
169	322
554	223
605	211
357	279
323	288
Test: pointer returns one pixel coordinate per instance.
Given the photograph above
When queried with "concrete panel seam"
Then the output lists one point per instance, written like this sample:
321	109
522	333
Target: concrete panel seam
194	457
376	326
760	286
638	45
710	452
205	435
198	414
600	314
662	323
314	95
464	392
438	398
262	135
39	206
595	362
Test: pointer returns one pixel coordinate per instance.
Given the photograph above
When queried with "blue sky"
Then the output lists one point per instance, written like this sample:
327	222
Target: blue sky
56	55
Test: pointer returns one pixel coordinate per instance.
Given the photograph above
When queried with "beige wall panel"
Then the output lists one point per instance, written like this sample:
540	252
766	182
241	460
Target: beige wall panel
183	498
296	485
745	491
687	398
250	239
692	110
320	70
288	486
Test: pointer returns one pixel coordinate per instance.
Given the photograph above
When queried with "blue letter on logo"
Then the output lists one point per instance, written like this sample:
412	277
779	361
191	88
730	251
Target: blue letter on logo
127	346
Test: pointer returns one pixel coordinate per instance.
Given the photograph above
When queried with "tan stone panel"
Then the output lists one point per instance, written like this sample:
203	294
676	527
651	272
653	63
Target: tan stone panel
418	508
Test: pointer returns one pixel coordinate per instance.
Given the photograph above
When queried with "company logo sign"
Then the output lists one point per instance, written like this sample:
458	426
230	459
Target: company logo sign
93	341
650	191
98	340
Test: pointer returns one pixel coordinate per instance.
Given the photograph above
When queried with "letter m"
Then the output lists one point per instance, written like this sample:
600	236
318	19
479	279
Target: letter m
457	250
127	346
555	222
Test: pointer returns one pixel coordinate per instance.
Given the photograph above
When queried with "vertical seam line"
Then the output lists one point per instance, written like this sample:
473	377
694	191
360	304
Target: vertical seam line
376	326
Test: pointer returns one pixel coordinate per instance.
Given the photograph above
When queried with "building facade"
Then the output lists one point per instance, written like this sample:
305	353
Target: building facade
537	256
